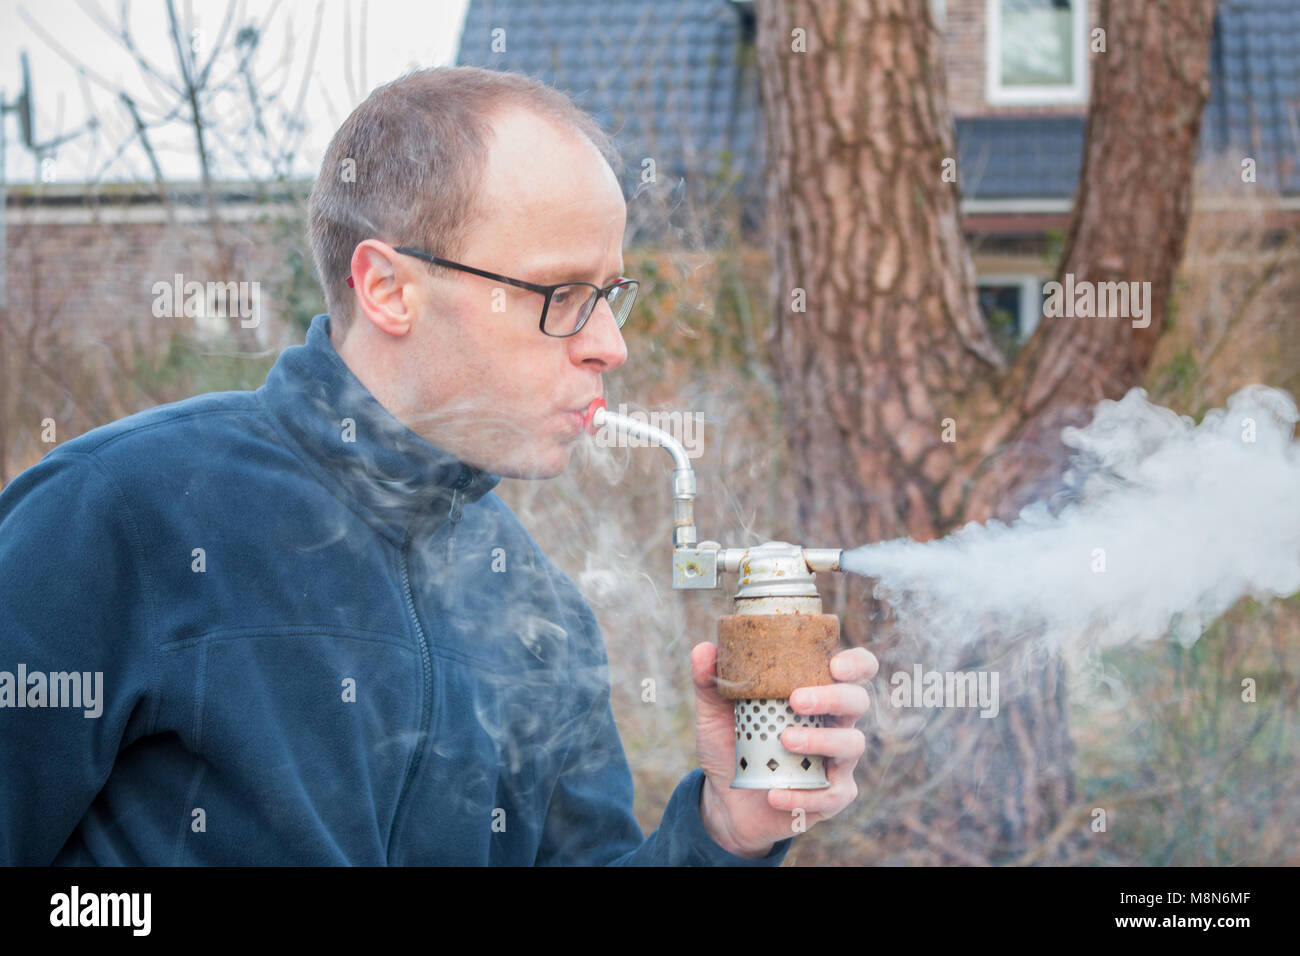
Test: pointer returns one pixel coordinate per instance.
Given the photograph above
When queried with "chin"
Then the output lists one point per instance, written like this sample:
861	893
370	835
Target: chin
549	464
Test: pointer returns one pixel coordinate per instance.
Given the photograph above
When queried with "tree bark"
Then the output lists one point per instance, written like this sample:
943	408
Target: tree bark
890	360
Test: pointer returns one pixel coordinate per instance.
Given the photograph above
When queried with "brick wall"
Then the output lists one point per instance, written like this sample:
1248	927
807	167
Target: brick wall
99	275
80	342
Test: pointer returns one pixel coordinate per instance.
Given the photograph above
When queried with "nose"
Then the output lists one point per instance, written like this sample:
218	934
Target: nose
600	342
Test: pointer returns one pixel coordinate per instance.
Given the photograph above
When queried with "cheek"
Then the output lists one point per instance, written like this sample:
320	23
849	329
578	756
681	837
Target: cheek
505	359
535	377
521	374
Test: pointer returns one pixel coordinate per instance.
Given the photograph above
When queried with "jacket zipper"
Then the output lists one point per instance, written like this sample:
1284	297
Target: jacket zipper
453	515
426	671
426	663
455	511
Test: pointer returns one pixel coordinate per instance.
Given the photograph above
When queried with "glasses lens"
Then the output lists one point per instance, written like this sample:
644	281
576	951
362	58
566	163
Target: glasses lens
569	308
621	298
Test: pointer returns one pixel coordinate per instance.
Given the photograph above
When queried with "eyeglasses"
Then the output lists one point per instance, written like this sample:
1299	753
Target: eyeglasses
568	305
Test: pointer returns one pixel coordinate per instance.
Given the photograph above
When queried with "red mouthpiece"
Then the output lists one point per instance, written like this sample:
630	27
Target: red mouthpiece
591	413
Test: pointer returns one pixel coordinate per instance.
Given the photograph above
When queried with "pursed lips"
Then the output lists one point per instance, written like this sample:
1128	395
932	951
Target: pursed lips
579	415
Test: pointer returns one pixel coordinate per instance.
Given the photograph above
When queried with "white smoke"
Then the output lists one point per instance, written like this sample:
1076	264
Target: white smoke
1168	524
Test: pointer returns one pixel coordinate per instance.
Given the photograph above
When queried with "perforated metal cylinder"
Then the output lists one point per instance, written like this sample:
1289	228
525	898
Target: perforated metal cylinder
761	762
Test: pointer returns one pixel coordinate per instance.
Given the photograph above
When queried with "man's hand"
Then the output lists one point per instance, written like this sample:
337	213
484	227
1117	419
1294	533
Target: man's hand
748	822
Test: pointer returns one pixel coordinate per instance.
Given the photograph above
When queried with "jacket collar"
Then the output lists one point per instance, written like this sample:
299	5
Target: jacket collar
356	446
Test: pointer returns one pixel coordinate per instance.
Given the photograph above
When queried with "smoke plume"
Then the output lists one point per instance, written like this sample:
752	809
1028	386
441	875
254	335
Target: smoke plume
1164	525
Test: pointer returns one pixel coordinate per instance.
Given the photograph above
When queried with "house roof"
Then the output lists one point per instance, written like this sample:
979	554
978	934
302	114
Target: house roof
1255	88
676	81
1002	157
673	81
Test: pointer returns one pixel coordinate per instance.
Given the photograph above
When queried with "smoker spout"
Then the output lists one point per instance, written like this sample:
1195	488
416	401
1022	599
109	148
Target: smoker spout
684	533
822	559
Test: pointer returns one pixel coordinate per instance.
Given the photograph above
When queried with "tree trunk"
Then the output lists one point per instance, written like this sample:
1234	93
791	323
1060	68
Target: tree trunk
1129	223
882	359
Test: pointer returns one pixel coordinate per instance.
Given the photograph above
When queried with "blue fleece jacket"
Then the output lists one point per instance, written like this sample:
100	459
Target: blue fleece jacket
322	640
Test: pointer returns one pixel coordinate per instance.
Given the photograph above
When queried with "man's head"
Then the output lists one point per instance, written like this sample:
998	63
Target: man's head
496	172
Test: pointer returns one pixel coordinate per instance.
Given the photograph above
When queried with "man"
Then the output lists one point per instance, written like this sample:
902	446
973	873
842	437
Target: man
321	639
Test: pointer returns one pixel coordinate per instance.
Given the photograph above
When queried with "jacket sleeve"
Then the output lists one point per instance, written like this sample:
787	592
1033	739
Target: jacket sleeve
589	821
74	623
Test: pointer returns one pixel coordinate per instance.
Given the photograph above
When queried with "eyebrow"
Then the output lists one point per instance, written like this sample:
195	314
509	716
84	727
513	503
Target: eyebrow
567	273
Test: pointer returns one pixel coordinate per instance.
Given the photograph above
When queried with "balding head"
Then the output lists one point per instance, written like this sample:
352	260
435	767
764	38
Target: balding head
406	166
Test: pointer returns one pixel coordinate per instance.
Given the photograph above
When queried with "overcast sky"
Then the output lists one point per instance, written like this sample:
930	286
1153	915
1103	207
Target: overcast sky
398	35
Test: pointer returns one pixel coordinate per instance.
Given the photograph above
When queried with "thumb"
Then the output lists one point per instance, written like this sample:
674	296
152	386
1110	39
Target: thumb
708	702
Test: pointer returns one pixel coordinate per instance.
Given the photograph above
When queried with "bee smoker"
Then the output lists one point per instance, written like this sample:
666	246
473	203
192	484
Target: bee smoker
776	640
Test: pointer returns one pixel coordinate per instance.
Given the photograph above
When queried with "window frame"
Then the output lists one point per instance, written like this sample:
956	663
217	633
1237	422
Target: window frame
995	94
1031	296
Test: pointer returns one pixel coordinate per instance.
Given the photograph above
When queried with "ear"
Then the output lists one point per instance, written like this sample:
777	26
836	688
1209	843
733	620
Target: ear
382	280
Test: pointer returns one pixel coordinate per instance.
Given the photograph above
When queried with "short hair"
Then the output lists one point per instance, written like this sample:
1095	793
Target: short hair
406	166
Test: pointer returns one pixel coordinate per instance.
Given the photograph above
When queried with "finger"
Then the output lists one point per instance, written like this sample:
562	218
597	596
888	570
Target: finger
842	720
809	818
843	743
840	772
704	661
826	803
850	700
856	663
708	702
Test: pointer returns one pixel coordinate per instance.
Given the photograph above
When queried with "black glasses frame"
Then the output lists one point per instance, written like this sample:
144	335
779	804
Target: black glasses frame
546	290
